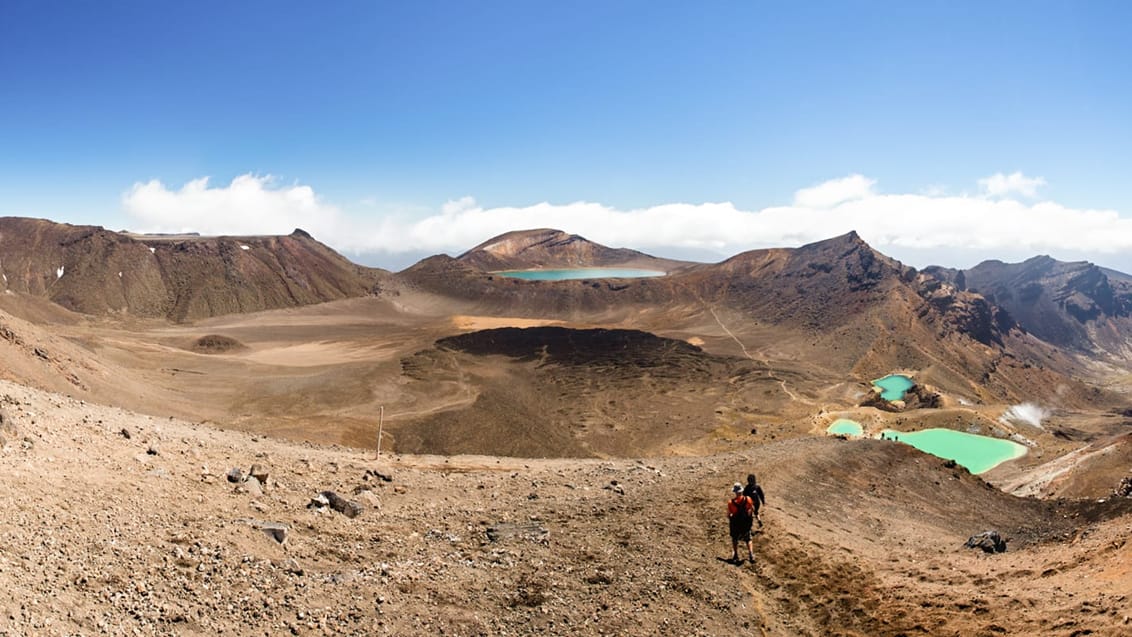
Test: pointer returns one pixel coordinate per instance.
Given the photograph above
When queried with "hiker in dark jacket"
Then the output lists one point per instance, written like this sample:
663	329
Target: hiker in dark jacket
740	513
755	493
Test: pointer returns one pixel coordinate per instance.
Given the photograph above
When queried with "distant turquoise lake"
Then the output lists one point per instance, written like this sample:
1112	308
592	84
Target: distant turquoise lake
893	386
845	427
977	453
579	273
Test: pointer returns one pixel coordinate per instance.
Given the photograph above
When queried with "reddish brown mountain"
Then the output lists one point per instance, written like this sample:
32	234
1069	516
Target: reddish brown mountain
546	248
95	271
837	307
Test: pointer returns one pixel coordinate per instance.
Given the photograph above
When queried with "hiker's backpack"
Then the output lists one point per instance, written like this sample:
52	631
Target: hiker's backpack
745	508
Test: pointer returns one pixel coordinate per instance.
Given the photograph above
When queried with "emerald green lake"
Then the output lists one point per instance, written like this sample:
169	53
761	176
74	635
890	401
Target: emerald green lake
977	453
893	386
845	427
579	273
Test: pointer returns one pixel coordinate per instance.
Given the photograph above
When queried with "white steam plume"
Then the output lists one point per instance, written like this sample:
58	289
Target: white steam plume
1028	413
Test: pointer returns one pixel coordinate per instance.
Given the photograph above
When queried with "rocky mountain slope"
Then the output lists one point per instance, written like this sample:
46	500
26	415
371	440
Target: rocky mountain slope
118	524
861	313
1077	305
95	271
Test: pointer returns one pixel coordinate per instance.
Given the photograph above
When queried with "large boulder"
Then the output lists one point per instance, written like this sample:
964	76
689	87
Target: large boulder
988	541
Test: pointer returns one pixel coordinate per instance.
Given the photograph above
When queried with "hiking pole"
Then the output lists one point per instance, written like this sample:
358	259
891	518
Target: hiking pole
380	424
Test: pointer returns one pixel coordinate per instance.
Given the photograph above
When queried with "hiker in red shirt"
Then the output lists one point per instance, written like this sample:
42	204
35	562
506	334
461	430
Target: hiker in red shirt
740	516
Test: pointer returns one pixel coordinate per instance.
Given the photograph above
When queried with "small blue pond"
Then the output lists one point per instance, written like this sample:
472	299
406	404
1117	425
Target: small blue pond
977	453
893	386
579	273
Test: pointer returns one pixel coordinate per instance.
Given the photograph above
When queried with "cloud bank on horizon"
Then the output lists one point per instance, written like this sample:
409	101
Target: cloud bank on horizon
1004	217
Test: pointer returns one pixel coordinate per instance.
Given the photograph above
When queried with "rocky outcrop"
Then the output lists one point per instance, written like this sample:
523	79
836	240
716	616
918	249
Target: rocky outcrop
916	397
1075	305
964	312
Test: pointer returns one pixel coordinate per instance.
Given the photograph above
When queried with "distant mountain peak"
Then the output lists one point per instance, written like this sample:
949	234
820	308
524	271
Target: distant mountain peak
550	248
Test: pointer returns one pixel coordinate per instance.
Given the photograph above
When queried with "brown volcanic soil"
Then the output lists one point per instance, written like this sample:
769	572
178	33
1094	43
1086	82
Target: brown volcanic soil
559	392
861	538
117	534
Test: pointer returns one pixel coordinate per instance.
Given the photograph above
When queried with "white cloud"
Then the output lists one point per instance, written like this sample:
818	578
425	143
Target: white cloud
999	185
250	204
835	191
918	228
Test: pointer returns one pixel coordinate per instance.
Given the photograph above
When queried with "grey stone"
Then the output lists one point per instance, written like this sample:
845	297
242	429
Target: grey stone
346	507
319	501
235	474
509	530
988	541
275	531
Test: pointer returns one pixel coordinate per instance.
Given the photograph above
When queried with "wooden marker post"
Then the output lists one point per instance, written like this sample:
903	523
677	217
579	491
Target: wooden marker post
380	424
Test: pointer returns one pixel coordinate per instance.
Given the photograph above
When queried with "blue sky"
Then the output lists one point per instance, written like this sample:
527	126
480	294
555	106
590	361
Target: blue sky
395	130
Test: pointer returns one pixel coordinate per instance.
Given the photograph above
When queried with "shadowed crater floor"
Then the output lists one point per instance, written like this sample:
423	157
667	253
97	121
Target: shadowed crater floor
561	392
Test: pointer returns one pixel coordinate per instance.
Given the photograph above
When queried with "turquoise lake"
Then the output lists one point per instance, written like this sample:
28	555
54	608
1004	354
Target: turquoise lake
977	453
579	273
845	427
893	386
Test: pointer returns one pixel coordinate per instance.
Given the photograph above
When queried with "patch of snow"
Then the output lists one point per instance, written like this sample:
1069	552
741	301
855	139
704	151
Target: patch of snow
152	250
119	275
59	273
244	247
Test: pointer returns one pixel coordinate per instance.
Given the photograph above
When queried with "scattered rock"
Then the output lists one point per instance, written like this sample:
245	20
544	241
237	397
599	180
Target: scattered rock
1124	489
259	472
235	474
291	565
319	501
369	498
7	428
346	507
253	486
275	531
125	433
371	473
151	451
988	541
501	531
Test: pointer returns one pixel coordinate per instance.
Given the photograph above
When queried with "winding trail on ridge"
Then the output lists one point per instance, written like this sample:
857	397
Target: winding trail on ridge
743	347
